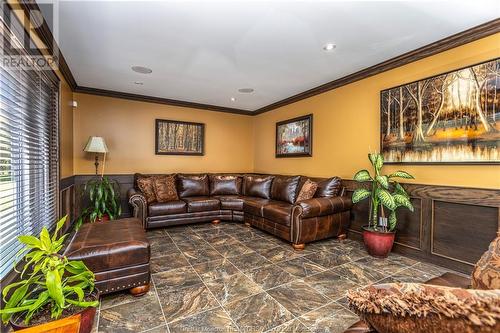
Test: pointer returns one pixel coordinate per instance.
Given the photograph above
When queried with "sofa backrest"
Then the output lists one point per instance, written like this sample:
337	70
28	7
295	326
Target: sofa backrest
284	188
192	185
257	185
225	184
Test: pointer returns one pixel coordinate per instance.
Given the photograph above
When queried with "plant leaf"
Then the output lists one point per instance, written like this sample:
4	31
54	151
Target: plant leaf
30	241
362	176
402	200
383	181
360	194
386	198
45	239
54	286
401	174
392	220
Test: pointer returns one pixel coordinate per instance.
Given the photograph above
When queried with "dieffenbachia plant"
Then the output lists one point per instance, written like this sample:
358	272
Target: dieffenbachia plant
385	192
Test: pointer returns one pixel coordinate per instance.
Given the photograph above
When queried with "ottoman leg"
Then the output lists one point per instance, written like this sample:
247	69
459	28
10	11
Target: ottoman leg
299	247
140	290
215	221
342	237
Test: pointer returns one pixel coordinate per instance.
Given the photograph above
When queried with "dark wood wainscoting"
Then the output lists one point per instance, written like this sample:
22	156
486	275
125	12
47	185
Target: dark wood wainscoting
451	226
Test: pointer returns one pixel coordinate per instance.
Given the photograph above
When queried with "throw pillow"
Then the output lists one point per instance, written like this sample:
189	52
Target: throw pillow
328	188
486	273
164	188
225	185
258	186
307	191
284	188
193	185
421	308
145	185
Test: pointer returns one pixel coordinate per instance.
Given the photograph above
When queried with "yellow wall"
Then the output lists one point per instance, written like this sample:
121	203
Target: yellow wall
129	130
346	125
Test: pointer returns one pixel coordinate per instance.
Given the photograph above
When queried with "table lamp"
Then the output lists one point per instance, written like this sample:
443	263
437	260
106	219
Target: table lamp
96	145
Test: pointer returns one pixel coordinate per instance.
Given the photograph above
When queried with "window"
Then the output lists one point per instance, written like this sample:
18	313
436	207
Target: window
29	149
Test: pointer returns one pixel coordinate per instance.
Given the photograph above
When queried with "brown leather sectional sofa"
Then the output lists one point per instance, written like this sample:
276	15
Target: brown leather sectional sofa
267	202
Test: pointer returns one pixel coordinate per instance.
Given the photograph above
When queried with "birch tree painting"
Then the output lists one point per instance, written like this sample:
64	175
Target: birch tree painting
179	138
449	118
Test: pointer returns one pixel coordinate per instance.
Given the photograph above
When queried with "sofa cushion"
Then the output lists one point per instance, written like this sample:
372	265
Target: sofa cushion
201	204
284	188
486	273
231	202
225	185
307	191
328	187
421	308
192	185
145	185
255	205
258	186
164	188
167	208
278	212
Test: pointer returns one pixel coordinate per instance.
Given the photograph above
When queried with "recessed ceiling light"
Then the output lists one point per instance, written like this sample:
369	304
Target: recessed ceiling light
139	83
142	70
329	47
246	90
233	99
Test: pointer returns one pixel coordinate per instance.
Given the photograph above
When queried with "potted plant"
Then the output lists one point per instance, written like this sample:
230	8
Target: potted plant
51	287
104	200
386	193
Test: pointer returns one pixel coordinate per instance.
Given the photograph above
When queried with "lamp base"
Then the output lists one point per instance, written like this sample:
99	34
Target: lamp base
96	163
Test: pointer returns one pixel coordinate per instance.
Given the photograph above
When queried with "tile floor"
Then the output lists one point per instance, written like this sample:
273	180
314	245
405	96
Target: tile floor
231	278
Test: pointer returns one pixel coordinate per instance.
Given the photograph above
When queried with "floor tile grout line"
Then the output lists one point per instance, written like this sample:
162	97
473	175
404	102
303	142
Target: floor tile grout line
159	302
211	293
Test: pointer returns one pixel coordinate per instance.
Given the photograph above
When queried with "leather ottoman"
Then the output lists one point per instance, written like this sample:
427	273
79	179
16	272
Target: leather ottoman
117	252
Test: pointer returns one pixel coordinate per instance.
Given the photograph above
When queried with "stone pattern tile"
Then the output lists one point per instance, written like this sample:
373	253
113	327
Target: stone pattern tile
232	278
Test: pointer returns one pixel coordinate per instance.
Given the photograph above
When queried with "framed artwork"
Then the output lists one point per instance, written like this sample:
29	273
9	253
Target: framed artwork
449	118
179	138
294	137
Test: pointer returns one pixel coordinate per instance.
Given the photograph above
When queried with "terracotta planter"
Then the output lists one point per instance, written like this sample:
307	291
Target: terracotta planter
377	243
83	319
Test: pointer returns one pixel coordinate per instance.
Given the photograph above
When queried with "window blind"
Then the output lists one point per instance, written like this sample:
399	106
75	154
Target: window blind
29	149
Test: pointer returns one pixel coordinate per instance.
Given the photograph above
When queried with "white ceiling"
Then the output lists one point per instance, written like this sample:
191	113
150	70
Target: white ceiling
204	51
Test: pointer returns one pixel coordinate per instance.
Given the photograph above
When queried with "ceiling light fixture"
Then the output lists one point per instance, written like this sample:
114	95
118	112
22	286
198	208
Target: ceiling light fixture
328	47
233	99
142	70
139	83
246	90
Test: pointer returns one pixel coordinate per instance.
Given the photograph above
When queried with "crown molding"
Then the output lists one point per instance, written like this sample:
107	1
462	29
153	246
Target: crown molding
159	100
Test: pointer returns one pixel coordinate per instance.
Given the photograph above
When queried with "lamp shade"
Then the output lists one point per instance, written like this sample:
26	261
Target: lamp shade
96	144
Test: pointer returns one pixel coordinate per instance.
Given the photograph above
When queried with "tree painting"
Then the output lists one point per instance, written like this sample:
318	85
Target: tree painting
179	138
293	137
449	118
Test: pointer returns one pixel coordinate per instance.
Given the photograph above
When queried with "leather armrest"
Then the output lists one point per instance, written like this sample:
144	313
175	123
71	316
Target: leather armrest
324	206
139	204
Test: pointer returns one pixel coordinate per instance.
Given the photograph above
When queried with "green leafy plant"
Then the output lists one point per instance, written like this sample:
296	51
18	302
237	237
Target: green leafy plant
385	192
47	279
104	199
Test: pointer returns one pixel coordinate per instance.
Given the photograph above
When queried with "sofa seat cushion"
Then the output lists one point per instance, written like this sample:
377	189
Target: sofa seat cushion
167	208
278	212
231	202
201	204
110	245
255	206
